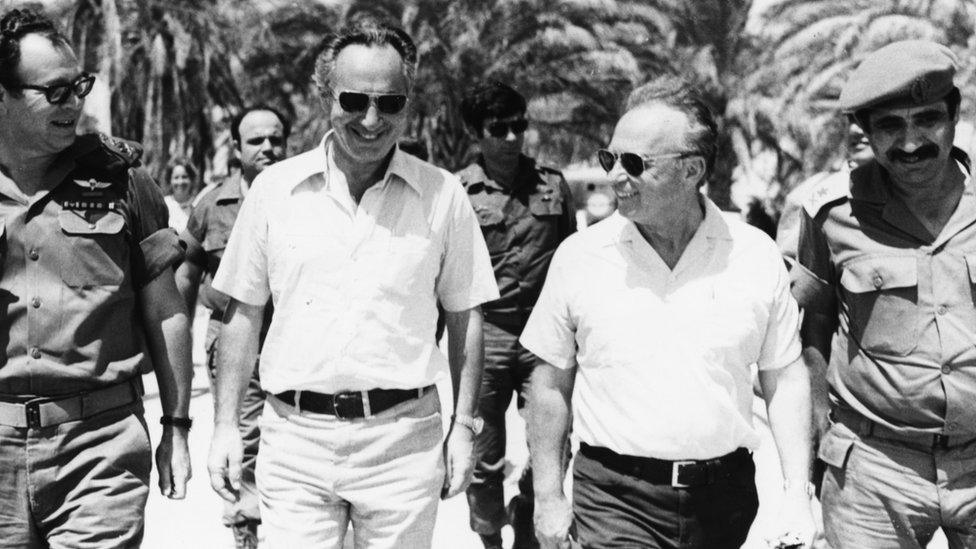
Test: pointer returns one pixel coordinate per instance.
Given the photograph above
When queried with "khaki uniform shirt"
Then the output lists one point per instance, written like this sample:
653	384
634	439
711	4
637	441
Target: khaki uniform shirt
522	227
904	354
73	260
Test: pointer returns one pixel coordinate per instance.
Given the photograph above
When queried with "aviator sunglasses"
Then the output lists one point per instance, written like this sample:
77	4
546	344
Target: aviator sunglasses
385	103
500	129
633	163
58	94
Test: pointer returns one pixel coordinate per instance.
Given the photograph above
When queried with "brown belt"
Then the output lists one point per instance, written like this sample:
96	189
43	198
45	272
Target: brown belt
865	427
48	411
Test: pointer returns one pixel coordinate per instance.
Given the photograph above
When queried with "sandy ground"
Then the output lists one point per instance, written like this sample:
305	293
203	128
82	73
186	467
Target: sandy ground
194	523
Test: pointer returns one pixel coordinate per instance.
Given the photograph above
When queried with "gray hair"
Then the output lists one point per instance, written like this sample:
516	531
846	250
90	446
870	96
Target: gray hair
367	32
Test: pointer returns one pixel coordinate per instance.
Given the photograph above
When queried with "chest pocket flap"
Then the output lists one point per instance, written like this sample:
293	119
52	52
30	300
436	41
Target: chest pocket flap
78	223
880	273
546	204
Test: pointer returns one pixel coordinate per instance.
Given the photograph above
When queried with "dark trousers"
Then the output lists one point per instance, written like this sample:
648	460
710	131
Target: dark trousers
508	367
612	509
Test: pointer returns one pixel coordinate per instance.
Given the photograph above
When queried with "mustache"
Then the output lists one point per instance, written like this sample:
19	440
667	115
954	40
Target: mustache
923	153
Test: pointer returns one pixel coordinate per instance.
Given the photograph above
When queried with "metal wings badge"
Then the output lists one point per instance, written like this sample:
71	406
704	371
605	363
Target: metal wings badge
92	184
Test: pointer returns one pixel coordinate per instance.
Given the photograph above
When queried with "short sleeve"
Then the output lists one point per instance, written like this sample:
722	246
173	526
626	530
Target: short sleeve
781	344
813	274
159	246
466	277
243	271
550	333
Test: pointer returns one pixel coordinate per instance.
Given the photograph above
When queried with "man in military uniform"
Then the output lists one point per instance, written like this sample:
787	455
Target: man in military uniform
260	135
889	264
89	304
525	211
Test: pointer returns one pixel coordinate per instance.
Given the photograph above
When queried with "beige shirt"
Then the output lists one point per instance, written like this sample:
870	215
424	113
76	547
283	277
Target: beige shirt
903	302
664	355
355	287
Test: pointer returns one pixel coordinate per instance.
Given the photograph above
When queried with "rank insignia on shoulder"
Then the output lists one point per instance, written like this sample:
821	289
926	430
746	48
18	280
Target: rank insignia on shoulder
832	189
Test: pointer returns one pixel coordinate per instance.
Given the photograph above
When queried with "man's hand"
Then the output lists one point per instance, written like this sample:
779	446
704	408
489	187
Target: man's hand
458	461
796	527
224	463
553	518
173	462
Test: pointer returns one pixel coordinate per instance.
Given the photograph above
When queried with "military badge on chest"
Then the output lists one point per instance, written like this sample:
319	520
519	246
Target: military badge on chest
87	201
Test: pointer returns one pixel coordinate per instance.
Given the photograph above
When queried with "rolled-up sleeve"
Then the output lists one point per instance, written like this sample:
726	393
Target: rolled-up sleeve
466	277
159	246
550	333
243	271
781	344
813	273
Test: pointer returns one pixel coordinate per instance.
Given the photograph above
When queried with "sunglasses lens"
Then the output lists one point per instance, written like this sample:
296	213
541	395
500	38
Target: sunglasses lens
632	163
497	129
83	86
607	159
519	125
391	104
353	102
58	94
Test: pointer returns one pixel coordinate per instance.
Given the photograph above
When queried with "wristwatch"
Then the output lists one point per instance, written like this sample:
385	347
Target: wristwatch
476	424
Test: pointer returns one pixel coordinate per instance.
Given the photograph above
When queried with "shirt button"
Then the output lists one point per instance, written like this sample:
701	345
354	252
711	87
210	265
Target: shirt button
35	353
33	254
942	309
946	370
36	302
952	426
878	281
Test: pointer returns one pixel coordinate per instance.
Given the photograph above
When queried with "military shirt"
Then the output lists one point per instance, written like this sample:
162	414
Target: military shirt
522	227
904	353
73	259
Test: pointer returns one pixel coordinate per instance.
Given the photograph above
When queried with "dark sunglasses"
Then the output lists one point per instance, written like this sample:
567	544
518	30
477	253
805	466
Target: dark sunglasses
385	103
500	129
634	164
58	94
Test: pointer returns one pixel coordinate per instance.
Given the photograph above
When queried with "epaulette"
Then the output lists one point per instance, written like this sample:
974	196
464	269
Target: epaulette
127	151
833	189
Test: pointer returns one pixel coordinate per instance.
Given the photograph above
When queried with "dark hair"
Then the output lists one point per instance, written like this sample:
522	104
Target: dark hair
367	32
235	123
176	162
490	99
14	25
862	117
681	95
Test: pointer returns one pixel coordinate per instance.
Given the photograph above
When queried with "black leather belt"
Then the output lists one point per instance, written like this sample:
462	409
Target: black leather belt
865	427
48	411
679	474
351	405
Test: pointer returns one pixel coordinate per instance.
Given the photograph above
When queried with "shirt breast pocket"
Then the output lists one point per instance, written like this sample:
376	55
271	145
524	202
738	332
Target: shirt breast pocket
544	205
882	303
95	251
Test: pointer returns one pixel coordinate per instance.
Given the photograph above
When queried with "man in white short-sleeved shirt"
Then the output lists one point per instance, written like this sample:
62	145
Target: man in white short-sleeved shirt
356	243
648	322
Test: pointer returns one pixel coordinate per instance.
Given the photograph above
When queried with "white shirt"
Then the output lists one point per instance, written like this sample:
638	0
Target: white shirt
355	288
177	215
664	356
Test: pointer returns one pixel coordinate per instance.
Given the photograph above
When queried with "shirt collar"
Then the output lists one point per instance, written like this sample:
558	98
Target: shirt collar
403	166
230	190
621	229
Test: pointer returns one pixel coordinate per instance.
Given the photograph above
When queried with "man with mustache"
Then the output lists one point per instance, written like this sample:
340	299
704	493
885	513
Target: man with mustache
260	135
887	269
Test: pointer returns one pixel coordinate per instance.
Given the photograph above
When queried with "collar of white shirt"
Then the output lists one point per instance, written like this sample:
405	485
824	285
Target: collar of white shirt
617	228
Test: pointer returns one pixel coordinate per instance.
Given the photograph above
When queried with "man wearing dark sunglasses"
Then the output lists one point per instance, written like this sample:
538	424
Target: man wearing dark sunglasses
648	324
357	242
525	211
89	304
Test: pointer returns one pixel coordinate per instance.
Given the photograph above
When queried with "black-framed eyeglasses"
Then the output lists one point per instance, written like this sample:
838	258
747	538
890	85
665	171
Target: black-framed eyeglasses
387	103
500	129
633	163
58	94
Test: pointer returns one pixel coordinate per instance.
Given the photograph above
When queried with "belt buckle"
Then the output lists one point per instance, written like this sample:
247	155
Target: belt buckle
342	399
676	473
32	412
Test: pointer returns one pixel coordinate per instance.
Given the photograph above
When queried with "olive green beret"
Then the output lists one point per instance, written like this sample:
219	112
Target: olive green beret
913	71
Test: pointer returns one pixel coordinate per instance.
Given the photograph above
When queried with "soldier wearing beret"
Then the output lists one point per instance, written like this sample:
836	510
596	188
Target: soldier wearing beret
525	211
89	304
887	265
